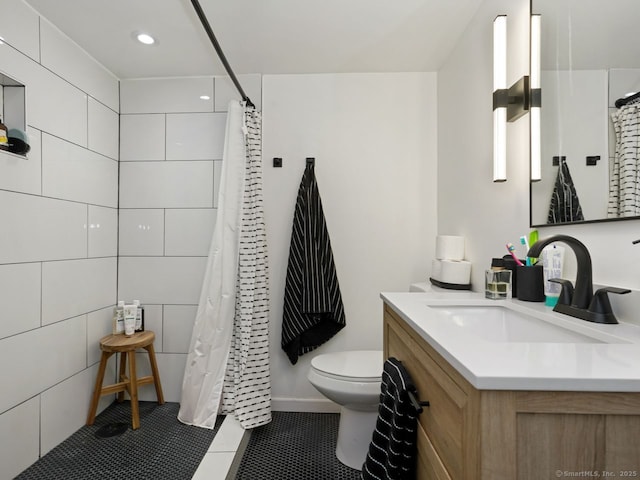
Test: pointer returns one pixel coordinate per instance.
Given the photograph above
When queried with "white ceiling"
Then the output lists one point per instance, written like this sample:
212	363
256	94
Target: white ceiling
264	36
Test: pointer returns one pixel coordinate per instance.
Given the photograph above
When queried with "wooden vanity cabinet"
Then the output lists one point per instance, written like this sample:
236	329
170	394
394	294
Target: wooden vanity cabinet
470	434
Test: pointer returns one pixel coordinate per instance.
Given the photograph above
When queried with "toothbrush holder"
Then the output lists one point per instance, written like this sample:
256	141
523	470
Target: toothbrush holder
530	283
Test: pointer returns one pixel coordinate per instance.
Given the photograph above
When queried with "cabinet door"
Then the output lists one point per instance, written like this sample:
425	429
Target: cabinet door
442	421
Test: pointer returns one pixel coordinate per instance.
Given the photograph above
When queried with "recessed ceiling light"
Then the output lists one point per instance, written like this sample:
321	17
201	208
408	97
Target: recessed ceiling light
205	97
145	38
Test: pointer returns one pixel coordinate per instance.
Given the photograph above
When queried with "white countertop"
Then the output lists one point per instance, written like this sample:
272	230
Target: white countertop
523	365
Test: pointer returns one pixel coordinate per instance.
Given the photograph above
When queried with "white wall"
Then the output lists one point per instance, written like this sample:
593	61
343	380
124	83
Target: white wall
374	140
489	214
58	211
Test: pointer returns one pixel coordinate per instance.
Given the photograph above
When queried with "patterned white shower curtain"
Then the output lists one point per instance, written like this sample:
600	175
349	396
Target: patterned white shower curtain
227	368
624	168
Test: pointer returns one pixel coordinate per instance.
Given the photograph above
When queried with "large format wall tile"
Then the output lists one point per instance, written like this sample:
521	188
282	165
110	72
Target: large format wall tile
103	231
178	326
195	136
75	173
41	228
64	57
164	95
99	324
104	126
166	184
171	367
162	280
20	437
20	29
189	231
142	137
73	287
64	407
141	232
20	298
57	352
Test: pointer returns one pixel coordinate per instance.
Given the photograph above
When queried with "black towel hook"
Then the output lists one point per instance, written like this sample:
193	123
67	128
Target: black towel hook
311	161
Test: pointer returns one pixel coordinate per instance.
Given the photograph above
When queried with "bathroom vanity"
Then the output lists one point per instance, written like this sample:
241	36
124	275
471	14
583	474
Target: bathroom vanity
516	391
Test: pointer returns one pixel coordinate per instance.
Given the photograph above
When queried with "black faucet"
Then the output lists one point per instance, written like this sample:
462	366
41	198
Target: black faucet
580	302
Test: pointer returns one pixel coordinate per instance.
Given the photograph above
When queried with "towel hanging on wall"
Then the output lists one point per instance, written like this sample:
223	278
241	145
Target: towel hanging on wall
313	310
564	206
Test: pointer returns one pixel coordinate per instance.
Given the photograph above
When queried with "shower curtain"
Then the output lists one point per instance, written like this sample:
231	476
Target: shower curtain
624	167
227	368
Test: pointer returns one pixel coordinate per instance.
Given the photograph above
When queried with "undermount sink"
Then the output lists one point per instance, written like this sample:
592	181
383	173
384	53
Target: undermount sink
499	325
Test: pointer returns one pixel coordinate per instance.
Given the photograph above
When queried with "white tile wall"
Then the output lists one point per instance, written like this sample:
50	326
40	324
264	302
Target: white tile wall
21	174
76	286
104	126
20	29
58	351
142	137
103	231
179	184
161	280
56	106
141	232
64	57
195	136
75	173
20	299
57	208
19	436
189	231
41	228
153	322
171	368
99	324
166	95
65	406
177	327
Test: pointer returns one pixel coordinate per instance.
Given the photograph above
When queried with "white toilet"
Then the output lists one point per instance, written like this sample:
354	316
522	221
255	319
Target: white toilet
352	380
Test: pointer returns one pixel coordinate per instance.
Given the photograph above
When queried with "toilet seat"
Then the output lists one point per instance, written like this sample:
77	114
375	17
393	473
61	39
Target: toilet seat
362	366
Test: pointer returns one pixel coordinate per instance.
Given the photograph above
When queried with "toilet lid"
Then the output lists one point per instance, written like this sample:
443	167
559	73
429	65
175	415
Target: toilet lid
363	365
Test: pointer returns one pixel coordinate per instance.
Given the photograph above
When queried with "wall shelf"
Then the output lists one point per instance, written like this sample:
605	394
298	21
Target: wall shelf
12	105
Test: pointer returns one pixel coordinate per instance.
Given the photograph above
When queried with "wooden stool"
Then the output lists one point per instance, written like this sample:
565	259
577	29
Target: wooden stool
127	347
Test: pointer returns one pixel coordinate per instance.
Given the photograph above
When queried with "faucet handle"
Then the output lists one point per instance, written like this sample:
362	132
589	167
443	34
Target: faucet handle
601	306
566	294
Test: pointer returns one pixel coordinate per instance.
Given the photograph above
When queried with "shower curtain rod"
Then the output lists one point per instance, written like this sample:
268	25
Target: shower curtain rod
216	45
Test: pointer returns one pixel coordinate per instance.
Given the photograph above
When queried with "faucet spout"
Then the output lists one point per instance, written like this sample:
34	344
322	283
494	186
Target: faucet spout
583	291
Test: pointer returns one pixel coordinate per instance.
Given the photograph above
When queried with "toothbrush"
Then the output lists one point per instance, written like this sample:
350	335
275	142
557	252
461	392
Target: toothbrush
525	242
511	248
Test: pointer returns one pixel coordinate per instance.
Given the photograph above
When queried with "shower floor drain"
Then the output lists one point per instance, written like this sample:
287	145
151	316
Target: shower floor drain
112	430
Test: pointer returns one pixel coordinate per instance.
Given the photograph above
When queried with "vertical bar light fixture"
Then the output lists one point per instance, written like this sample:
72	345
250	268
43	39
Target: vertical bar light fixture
536	103
500	98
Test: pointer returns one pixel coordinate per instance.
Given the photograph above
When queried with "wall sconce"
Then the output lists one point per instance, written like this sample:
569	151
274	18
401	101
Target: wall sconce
509	104
500	99
536	100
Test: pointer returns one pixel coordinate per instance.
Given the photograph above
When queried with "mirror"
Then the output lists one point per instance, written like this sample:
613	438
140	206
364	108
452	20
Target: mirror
589	59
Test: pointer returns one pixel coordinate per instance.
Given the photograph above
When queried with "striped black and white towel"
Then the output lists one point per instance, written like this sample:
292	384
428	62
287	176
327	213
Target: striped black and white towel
313	310
564	206
392	452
